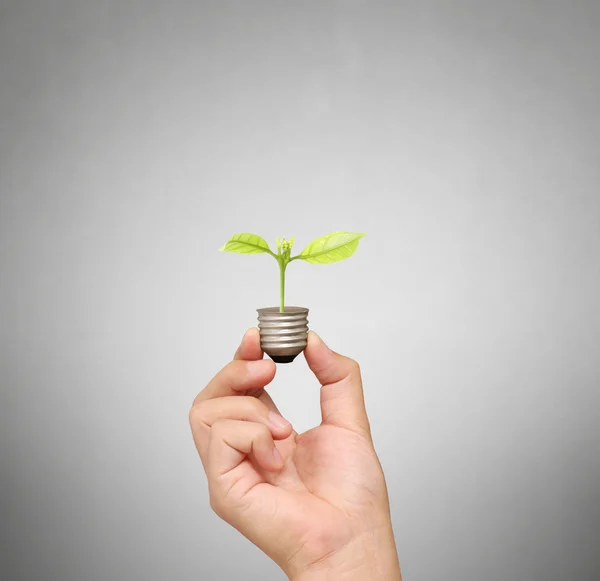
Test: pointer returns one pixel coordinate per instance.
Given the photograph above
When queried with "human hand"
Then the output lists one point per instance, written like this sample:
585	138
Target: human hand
316	503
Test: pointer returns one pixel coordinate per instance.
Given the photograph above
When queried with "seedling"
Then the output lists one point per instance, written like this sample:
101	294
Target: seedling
284	330
324	250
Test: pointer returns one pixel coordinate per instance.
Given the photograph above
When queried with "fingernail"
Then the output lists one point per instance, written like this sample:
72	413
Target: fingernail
277	456
277	421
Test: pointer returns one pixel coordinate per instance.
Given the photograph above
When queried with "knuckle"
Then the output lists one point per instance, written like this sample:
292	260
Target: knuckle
234	369
354	367
196	414
216	503
220	499
225	377
233	375
193	415
263	433
257	406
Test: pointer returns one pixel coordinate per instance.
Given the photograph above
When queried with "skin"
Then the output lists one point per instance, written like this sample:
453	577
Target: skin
316	503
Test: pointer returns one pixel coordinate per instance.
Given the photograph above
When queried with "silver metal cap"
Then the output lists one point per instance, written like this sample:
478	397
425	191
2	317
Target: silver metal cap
283	336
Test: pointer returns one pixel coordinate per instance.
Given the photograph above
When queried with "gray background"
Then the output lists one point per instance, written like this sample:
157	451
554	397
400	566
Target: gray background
463	136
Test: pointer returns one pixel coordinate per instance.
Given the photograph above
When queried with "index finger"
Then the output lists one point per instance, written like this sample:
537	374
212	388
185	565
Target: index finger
241	376
249	349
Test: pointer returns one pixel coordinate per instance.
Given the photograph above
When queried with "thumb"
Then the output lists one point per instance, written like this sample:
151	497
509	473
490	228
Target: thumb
342	400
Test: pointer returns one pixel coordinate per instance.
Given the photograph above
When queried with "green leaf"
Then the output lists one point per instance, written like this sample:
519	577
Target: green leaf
246	244
331	247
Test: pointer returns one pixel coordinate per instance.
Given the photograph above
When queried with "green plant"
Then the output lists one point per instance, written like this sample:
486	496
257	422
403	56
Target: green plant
324	250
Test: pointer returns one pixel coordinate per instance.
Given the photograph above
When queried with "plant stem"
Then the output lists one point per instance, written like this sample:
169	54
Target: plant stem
282	266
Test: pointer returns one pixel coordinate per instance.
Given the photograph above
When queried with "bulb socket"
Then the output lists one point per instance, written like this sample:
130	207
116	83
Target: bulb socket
283	336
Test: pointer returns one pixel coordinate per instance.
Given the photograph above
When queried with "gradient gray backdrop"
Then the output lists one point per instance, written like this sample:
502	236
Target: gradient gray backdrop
464	136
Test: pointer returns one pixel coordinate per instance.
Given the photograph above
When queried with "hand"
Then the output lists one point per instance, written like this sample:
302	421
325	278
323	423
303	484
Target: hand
316	503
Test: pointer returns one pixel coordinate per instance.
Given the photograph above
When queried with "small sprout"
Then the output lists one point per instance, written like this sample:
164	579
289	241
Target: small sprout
286	248
324	250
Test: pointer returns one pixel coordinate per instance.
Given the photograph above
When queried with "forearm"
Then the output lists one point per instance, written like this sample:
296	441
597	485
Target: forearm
373	557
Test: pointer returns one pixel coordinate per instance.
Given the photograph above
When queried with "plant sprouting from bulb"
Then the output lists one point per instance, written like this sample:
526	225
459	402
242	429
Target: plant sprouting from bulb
324	250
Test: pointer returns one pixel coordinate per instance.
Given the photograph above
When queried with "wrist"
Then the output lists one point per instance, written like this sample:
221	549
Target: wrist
371	557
